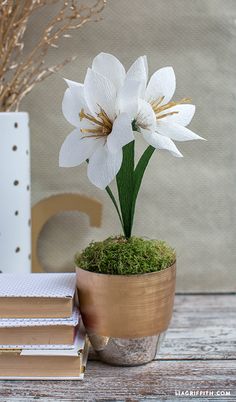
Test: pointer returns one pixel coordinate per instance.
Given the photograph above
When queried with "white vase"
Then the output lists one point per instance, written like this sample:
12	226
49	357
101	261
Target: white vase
15	205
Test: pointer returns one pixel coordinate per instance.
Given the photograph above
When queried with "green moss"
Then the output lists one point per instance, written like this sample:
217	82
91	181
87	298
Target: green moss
118	256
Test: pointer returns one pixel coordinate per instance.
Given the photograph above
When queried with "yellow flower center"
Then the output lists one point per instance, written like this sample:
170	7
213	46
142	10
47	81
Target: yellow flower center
102	124
157	108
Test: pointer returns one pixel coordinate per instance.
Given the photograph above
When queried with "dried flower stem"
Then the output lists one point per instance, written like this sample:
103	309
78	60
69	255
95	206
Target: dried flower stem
19	71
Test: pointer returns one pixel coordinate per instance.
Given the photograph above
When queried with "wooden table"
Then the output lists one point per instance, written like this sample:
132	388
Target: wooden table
198	355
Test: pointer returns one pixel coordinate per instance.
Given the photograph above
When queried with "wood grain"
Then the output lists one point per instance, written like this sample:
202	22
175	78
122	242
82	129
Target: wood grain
202	327
199	353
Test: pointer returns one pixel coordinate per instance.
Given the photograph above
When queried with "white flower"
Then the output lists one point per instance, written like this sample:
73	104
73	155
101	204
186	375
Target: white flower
102	110
159	119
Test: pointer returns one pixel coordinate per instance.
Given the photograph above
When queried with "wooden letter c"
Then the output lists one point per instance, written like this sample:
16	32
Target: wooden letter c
49	207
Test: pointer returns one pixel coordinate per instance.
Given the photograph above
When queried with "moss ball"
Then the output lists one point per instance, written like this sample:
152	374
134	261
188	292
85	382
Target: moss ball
119	256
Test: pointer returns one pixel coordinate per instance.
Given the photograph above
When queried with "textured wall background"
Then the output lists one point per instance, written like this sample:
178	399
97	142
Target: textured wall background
190	202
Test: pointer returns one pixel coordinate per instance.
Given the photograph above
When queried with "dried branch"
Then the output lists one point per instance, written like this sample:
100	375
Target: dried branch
19	70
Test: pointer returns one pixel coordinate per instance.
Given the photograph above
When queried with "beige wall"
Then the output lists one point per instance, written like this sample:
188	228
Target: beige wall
190	202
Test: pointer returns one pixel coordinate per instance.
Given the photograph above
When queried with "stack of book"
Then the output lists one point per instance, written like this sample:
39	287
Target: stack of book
41	333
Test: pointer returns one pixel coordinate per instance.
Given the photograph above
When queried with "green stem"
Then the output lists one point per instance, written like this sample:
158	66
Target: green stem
111	195
125	183
138	177
129	181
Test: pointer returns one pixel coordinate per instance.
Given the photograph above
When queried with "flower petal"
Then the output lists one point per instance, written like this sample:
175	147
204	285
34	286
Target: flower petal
146	118
121	134
162	83
76	149
160	142
139	72
127	98
176	131
183	116
73	101
110	67
99	92
139	69
73	85
103	166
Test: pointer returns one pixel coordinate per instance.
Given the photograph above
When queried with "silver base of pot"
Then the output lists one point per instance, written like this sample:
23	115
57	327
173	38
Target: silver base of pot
126	352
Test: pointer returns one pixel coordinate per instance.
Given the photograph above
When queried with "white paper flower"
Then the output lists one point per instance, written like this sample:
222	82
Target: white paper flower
102	110
106	111
159	119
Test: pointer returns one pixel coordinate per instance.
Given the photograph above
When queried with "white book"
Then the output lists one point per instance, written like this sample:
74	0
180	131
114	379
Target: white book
38	285
43	295
38	333
77	347
58	364
39	322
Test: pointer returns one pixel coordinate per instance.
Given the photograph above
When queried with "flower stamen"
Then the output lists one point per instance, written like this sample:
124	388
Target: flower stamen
83	115
155	103
105	119
102	121
158	109
166	114
142	121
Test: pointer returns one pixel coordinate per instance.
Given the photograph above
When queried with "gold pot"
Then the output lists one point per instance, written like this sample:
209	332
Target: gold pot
126	315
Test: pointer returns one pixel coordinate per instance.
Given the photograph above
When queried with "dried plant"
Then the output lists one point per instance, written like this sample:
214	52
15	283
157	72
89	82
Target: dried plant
21	70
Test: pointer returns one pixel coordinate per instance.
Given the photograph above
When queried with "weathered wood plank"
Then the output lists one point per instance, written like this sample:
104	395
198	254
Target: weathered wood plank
156	380
203	327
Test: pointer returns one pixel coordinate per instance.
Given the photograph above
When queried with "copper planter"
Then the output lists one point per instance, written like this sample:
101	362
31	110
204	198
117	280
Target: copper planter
126	315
